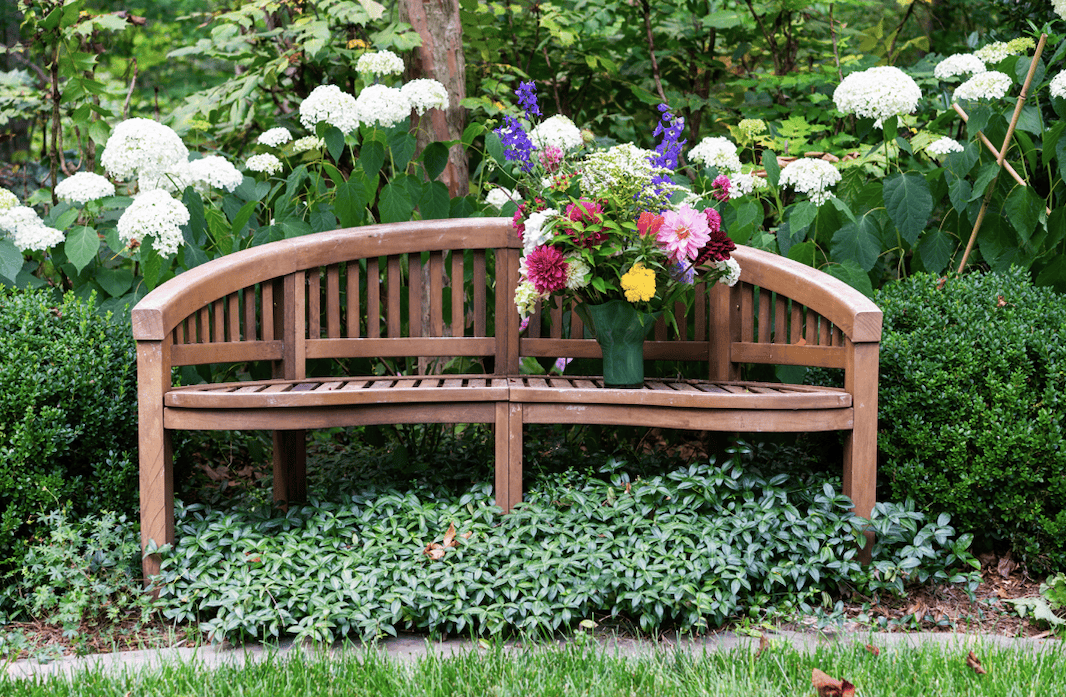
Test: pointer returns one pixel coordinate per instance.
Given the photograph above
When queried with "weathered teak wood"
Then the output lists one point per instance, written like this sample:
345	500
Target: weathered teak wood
439	289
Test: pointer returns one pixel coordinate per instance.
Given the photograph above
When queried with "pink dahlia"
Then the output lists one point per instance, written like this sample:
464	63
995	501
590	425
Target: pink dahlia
683	232
546	267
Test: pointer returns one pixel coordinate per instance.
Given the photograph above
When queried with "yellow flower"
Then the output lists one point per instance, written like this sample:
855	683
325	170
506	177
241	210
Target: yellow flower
639	283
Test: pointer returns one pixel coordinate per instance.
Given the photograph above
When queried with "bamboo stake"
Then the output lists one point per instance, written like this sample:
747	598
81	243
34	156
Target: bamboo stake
1003	150
992	149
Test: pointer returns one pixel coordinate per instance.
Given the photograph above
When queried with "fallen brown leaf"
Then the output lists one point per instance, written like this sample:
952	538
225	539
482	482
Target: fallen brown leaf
1006	565
449	537
831	687
972	661
764	644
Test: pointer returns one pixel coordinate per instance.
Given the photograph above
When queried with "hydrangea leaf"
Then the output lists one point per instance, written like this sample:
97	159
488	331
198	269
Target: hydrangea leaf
350	204
858	242
909	204
935	250
115	282
849	272
435	203
372	157
435	159
773	170
1023	208
959	191
81	246
395	204
334	140
10	260
403	146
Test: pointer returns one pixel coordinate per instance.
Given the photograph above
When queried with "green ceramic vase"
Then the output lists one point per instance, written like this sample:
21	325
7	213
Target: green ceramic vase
620	330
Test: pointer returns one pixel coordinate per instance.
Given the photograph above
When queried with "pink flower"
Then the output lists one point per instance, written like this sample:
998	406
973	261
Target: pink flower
551	157
721	185
714	220
649	223
589	216
546	267
683	233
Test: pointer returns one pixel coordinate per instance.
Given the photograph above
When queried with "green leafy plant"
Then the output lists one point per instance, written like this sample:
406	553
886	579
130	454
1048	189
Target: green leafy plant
1048	606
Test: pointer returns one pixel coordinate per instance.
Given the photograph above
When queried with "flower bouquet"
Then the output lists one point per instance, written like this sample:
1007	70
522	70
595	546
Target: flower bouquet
607	230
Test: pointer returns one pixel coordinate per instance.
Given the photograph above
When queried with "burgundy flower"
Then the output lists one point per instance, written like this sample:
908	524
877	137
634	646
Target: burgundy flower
719	245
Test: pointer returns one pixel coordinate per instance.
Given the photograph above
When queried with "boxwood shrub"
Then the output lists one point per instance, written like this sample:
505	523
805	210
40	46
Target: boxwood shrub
972	398
68	414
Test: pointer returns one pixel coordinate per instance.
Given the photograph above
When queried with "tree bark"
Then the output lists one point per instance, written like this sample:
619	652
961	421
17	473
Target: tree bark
440	57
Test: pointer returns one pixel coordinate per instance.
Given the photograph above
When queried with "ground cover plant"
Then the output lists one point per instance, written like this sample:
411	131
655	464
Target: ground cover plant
583	668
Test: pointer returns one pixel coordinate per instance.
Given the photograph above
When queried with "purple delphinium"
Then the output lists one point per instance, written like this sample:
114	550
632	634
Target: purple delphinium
669	148
516	142
527	99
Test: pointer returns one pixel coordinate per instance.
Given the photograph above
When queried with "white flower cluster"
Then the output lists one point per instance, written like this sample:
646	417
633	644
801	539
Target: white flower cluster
327	104
557	131
988	85
142	146
717	151
537	230
381	105
203	174
1058	83
7	200
1060	7
274	137
958	64
877	93
811	176
264	162
380	63
27	230
741	184
943	146
993	52
625	168
498	197
732	271
157	214
307	143
425	94
84	187
525	298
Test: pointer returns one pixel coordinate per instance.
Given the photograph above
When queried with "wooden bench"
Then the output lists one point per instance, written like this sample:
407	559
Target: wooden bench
446	289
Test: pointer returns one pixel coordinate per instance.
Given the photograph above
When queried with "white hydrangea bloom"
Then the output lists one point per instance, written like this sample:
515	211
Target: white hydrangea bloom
537	230
1058	83
327	104
213	172
139	146
811	176
264	162
83	187
380	63
154	214
732	271
383	106
274	137
8	200
993	52
603	170
578	272
37	238
741	184
943	146
498	197
425	94
307	143
958	64
558	131
11	219
877	93
1060	7
987	85
716	151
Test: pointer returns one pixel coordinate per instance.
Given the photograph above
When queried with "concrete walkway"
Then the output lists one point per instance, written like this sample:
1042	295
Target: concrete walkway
414	647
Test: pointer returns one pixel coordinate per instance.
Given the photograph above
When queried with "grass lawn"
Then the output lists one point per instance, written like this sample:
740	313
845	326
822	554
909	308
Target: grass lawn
577	669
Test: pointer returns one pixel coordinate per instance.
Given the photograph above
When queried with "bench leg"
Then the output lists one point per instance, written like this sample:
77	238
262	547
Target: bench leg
290	467
860	444
508	427
157	493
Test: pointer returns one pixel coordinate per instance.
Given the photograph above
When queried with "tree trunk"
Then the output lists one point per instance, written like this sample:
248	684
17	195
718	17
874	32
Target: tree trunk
440	57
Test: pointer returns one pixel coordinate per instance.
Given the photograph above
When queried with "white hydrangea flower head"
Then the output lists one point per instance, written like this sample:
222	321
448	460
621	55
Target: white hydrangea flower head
16	216
380	63
537	231
213	172
958	64
498	197
732	271
8	200
174	179
811	176
328	104
994	52
307	143
1058	83
1060	7
877	93
37	238
558	131
139	146
264	162
154	214
578	272
991	84
83	187
382	106
943	146
716	151
425	94
743	184
274	137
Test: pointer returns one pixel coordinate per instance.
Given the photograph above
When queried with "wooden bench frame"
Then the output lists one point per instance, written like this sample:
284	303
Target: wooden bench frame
309	297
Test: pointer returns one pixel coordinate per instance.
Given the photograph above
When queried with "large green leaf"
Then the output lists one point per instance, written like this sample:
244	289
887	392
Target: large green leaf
858	242
909	204
151	263
773	170
435	202
934	251
748	219
395	204
435	159
195	231
81	246
800	217
1023	208
350	204
999	245
372	157
959	191
803	253
114	281
334	139
403	146
850	273
10	260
